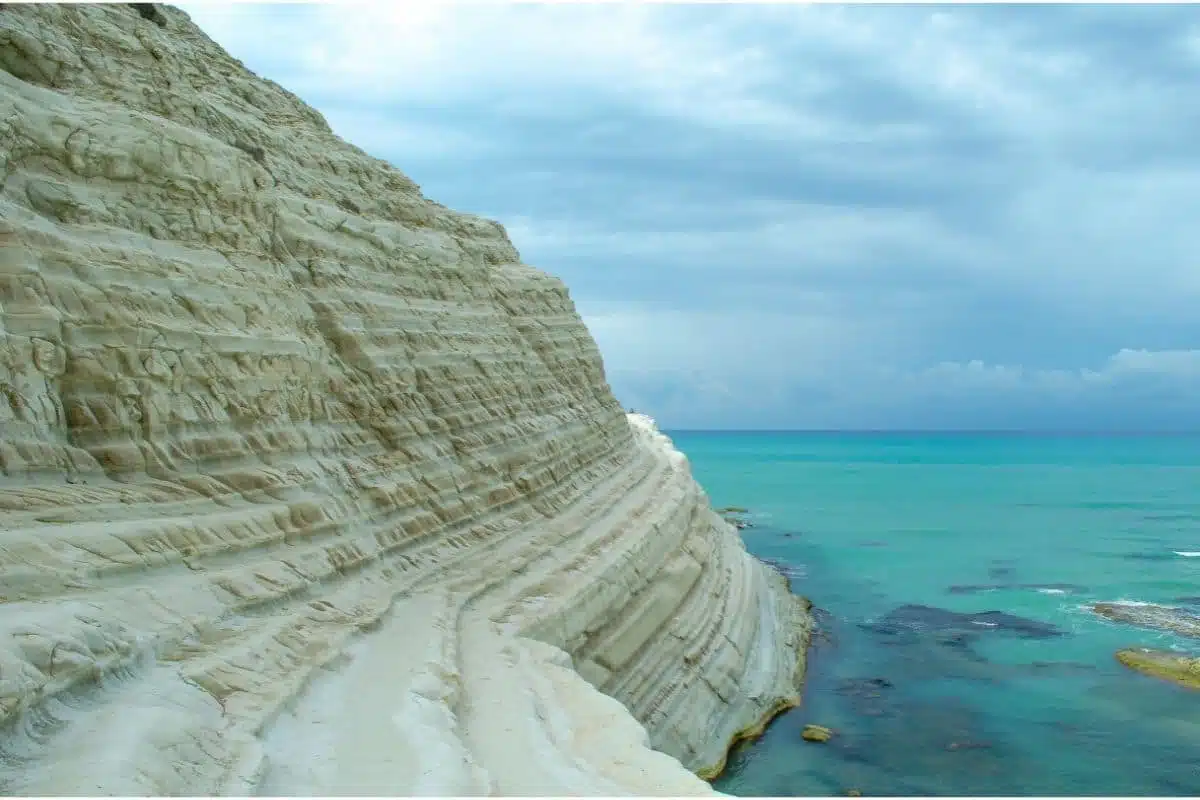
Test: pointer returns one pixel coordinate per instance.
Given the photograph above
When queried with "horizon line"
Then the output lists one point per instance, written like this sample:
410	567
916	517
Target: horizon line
950	431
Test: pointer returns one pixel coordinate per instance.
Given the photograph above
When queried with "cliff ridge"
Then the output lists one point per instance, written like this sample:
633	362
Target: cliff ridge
307	484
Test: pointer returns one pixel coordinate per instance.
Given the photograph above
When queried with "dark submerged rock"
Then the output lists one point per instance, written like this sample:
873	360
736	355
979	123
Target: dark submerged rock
953	746
860	685
959	640
939	737
866	696
1022	626
976	588
915	619
1061	666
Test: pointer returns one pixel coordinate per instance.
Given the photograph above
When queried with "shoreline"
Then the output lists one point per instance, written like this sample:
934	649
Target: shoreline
784	704
755	730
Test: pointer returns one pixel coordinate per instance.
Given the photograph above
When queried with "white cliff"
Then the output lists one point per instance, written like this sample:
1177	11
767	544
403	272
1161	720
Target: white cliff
307	484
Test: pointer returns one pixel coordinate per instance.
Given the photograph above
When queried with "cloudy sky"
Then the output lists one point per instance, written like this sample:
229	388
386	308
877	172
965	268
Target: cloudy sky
790	216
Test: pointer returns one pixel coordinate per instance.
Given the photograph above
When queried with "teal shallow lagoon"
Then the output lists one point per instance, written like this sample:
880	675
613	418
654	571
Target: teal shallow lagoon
1039	527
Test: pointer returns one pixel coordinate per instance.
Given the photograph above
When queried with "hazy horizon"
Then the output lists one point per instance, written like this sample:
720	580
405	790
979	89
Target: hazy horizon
812	216
1040	432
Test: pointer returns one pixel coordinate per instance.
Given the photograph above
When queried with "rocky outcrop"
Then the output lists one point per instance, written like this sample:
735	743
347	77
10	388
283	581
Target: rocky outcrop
307	484
1176	667
1154	617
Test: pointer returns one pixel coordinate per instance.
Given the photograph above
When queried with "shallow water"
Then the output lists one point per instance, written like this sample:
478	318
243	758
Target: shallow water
1036	527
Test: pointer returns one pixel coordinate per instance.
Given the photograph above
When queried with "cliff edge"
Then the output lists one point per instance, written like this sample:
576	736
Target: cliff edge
307	484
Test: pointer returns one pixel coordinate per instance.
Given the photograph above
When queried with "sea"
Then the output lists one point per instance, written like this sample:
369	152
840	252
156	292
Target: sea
898	539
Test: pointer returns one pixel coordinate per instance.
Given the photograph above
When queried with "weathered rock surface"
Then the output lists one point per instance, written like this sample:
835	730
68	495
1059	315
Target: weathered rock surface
816	733
1149	615
307	484
1176	667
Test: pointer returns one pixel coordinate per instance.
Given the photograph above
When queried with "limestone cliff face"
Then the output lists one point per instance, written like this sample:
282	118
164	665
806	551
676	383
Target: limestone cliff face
307	484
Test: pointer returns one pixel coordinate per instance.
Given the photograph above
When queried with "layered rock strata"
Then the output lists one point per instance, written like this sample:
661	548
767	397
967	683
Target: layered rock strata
307	484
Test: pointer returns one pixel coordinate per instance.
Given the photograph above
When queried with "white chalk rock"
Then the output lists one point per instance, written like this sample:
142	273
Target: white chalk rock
307	484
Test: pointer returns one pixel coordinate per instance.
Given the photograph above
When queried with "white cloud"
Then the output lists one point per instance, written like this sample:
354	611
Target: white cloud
444	52
826	215
1126	365
1132	389
1182	364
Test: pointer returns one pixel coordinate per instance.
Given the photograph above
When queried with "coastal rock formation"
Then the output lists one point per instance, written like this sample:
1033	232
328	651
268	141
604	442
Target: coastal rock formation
307	484
1152	616
1176	667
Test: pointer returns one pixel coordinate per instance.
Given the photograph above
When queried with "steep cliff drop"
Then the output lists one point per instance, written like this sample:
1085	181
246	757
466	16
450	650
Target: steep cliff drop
307	484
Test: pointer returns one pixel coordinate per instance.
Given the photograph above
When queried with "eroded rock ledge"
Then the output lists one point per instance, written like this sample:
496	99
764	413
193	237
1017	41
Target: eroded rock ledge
1177	667
307	484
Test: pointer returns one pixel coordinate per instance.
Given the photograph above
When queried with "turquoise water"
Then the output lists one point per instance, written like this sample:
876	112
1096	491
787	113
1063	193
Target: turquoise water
1037	527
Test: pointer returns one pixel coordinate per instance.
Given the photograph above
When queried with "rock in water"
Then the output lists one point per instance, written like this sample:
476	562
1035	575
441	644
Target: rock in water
1155	617
307	484
816	733
865	695
736	516
1181	669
